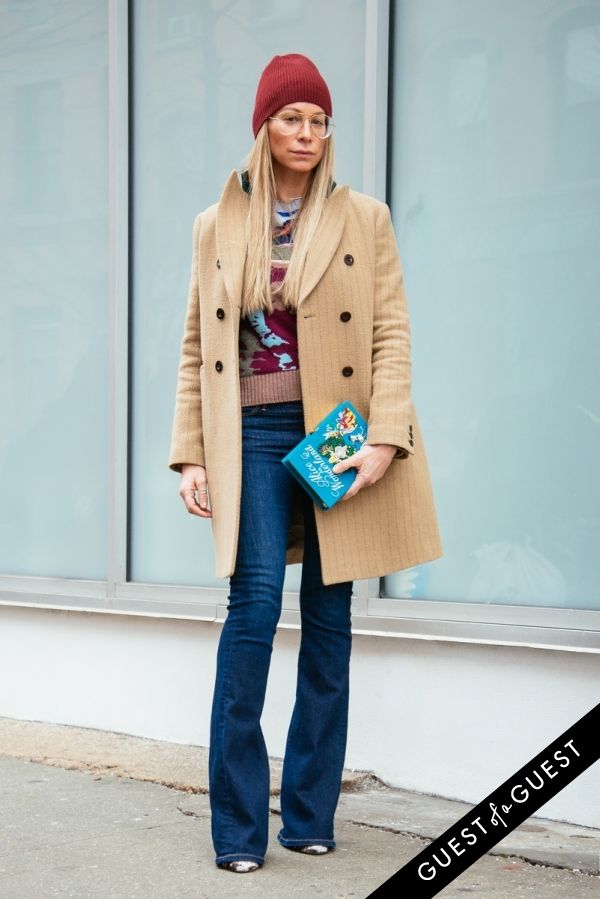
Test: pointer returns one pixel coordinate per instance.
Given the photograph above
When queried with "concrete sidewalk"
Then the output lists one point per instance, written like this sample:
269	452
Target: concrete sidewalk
87	813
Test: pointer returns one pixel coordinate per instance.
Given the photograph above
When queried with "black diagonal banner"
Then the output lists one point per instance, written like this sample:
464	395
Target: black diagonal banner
499	813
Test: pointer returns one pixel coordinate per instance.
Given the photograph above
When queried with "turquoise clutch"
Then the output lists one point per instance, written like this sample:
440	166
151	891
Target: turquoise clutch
339	435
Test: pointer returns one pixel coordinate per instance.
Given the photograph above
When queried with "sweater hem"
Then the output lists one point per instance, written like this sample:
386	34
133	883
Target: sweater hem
270	387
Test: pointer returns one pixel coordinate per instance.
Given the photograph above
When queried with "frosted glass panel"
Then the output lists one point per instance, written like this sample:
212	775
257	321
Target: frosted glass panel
496	203
53	288
196	67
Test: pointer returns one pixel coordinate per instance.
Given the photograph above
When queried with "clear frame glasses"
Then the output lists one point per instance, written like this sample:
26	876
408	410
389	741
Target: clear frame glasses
291	122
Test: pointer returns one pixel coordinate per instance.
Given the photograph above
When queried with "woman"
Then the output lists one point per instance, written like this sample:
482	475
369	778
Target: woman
296	302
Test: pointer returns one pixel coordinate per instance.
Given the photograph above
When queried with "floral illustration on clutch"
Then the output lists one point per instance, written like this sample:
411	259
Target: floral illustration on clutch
335	447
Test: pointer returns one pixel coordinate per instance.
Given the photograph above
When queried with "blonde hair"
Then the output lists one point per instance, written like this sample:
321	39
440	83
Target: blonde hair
256	293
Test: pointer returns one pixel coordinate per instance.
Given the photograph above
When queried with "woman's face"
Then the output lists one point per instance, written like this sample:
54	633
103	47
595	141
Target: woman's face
299	152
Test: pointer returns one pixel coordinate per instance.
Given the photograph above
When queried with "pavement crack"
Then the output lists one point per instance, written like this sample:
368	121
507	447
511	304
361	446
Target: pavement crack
493	851
190	813
545	864
388	829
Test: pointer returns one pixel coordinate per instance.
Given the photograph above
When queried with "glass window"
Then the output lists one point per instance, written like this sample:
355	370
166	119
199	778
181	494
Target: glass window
195	72
496	189
53	315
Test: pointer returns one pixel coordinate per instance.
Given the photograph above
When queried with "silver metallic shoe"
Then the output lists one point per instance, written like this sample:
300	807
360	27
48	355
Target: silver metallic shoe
314	849
242	866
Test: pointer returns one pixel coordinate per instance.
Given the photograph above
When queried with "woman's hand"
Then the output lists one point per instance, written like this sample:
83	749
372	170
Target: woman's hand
372	461
193	478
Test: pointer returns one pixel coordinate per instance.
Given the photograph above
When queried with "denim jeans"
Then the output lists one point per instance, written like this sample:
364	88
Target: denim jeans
316	739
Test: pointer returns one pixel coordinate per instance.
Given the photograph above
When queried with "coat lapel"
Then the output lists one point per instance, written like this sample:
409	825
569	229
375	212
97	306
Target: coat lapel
325	240
230	235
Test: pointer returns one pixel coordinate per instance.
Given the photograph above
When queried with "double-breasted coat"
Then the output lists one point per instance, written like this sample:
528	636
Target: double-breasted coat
354	343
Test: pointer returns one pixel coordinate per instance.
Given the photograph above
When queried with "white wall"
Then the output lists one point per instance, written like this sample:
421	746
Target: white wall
446	718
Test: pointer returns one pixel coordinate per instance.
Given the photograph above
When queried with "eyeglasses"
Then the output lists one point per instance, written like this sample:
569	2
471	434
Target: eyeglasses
291	122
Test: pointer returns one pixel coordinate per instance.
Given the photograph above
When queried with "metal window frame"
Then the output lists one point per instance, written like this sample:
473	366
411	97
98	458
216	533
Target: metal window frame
372	613
119	294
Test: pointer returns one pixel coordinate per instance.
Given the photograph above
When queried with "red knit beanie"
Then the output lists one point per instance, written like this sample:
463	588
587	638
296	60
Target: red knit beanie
288	79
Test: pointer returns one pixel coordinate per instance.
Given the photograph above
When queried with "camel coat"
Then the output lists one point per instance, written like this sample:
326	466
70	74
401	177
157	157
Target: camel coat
353	343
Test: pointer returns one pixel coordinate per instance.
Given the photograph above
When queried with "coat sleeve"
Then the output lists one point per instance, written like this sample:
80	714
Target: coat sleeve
186	438
390	405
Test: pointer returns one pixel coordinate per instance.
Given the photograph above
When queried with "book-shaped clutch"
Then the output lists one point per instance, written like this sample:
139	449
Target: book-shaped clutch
338	436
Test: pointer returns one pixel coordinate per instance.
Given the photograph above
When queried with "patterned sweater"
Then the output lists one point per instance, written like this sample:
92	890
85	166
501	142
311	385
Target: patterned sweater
268	344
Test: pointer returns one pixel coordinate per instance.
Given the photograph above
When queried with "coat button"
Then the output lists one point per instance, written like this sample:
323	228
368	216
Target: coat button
218	263
345	316
411	441
219	365
348	259
220	313
347	371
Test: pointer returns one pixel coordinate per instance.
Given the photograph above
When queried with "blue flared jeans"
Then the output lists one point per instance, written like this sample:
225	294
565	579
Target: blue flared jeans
316	739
